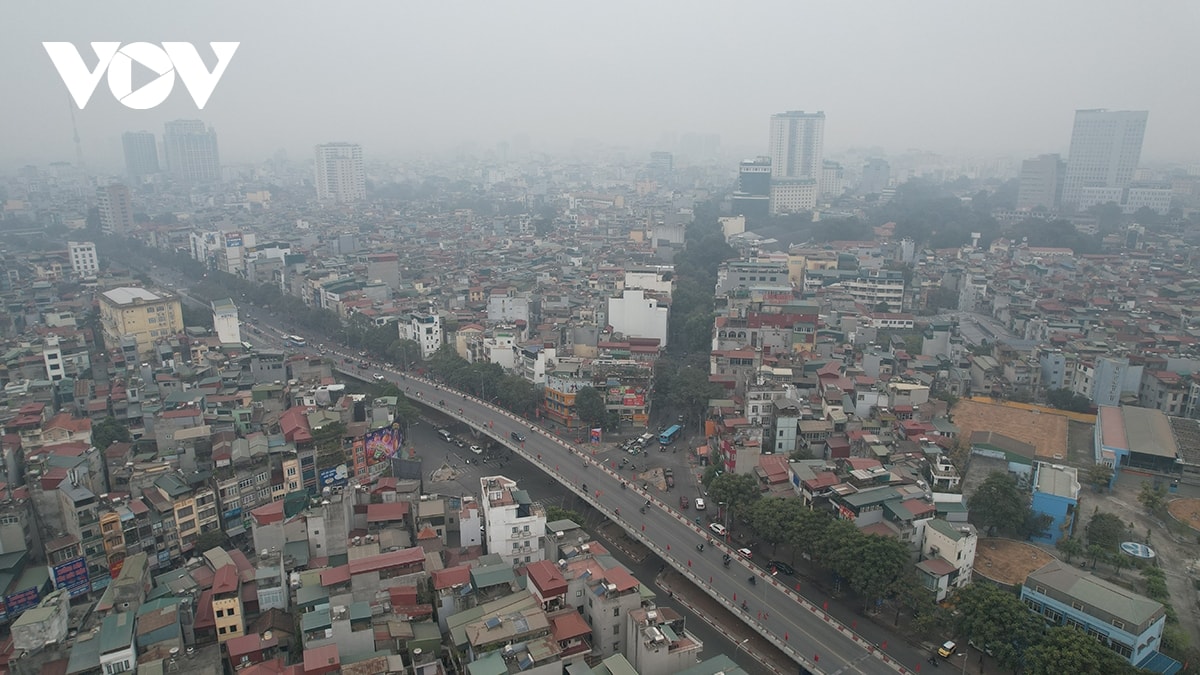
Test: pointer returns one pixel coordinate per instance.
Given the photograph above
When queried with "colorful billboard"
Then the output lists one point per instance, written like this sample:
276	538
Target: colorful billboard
334	476
73	576
233	239
378	447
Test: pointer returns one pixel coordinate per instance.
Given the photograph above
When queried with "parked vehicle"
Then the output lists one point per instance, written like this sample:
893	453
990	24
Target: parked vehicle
718	529
947	649
781	567
683	502
700	505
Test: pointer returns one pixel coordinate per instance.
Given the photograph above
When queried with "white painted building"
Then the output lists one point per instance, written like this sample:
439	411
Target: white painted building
947	556
424	329
225	321
83	259
659	280
340	177
507	308
635	315
515	525
793	196
732	225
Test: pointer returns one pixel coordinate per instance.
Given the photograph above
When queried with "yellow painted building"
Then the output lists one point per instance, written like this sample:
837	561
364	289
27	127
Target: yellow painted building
140	313
228	615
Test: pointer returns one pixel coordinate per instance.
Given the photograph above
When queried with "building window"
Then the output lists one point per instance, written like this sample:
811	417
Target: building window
616	629
220	613
616	611
1119	625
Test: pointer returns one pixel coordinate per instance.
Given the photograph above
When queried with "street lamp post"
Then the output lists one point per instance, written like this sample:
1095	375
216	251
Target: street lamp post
740	645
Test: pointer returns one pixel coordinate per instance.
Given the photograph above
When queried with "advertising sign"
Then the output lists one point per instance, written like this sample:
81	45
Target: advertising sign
378	447
233	239
334	476
73	576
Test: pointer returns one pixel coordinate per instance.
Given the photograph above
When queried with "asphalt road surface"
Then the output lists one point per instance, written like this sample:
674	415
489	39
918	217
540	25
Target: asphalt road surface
813	637
807	632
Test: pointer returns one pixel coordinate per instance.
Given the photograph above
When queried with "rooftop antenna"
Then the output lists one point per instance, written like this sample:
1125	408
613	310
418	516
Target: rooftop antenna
75	131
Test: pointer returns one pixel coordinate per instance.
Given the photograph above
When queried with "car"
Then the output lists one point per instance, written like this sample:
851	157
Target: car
476	449
517	436
717	529
459	442
700	506
947	649
781	567
670	482
683	502
362	353
745	553
445	435
378	377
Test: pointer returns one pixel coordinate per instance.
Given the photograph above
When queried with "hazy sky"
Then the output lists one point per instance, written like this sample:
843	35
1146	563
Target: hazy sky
401	77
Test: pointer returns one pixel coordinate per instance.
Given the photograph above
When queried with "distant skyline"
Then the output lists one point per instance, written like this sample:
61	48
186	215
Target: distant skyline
405	79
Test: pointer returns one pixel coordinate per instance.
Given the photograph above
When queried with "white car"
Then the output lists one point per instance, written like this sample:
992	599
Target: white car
699	504
745	553
718	529
476	449
378	377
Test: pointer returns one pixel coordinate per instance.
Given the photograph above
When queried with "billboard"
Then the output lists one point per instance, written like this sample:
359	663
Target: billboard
627	396
334	476
233	239
379	446
73	576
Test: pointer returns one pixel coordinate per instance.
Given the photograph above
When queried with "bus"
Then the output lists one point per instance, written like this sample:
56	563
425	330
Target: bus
247	346
295	341
668	437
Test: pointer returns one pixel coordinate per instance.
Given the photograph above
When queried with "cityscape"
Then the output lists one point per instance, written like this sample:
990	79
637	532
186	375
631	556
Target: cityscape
556	393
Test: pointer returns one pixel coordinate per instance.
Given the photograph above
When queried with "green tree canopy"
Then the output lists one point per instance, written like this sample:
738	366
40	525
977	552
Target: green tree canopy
1106	531
554	513
997	620
998	503
589	405
109	431
736	490
1066	649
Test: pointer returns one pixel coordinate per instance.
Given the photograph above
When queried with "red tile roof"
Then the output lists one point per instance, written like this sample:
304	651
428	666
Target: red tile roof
387	512
322	659
408	556
568	625
335	575
204	611
623	579
226	579
548	579
249	644
268	513
451	577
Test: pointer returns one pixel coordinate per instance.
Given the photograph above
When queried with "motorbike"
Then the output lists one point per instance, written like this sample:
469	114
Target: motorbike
700	547
584	487
623	486
752	580
725	561
643	509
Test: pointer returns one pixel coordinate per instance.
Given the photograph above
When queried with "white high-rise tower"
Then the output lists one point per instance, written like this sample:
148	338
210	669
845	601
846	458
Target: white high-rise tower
797	144
1106	146
339	173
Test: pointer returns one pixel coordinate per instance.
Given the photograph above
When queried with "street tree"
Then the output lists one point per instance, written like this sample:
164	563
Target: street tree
691	391
1100	476
1153	497
589	406
736	490
999	504
880	562
1106	531
998	620
773	520
1066	649
1070	547
109	431
808	533
554	513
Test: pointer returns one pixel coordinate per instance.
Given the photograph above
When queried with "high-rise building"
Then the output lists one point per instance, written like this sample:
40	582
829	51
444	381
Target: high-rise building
1106	146
83	259
662	165
140	314
141	154
797	144
832	180
752	197
191	152
1041	182
876	175
116	209
339	173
